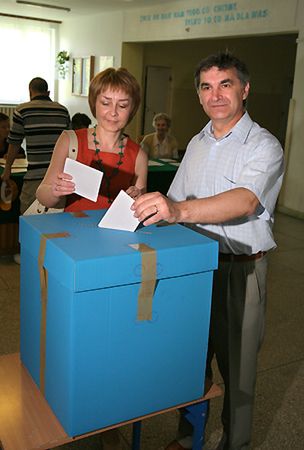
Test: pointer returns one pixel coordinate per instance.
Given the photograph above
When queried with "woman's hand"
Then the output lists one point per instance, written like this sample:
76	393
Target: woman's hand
63	185
134	192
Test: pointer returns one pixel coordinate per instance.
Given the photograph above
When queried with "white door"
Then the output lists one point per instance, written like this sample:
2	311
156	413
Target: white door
157	94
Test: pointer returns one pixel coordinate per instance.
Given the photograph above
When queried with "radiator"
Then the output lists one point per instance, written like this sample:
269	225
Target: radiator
8	110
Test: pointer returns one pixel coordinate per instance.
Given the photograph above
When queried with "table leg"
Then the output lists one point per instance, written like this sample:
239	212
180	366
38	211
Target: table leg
136	435
197	415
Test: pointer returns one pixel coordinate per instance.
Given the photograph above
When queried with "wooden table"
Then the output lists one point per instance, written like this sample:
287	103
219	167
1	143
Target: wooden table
26	420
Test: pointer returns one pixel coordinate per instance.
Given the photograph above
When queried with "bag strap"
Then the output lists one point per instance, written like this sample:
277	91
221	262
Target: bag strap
73	144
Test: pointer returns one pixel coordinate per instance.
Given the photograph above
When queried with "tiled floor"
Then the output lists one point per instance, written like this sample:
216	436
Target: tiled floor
279	410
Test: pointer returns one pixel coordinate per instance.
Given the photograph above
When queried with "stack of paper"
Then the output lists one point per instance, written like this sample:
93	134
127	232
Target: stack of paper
18	166
154	163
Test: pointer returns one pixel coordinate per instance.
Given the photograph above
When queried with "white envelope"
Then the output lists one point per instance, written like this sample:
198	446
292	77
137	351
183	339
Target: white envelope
119	216
154	163
87	180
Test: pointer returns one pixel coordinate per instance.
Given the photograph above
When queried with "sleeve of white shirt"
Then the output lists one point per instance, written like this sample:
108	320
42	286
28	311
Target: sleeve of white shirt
263	171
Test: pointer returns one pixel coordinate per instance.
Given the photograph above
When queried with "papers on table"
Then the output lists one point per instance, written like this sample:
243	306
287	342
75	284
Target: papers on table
154	163
87	180
18	163
18	170
162	162
119	216
18	166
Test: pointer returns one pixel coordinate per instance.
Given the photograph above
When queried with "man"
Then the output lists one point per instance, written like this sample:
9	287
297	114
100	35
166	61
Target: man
227	185
80	120
40	121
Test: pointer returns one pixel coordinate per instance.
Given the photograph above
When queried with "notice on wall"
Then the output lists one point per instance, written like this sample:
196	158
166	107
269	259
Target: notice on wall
219	13
209	18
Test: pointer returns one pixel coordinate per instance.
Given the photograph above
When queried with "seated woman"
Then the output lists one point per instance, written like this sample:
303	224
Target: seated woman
114	97
160	144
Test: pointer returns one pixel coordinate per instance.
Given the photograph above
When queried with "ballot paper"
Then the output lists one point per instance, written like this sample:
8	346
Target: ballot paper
87	180
154	163
119	216
18	166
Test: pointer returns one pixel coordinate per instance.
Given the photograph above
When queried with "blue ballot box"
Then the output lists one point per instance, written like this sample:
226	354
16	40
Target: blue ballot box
114	325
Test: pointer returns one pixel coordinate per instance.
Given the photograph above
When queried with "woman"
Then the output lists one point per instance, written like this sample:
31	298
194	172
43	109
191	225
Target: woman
160	144
114	97
4	132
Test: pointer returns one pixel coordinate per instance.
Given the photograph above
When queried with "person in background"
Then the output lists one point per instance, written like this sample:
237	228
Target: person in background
160	144
226	187
40	121
11	190
4	131
114	97
80	120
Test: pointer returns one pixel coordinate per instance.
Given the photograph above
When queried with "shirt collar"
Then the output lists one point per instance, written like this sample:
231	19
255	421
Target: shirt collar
240	130
42	97
156	141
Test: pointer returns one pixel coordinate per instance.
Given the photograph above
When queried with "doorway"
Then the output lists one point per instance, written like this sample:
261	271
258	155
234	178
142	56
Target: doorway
157	96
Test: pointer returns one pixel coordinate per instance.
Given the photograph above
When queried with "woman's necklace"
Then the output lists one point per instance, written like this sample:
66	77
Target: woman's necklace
108	178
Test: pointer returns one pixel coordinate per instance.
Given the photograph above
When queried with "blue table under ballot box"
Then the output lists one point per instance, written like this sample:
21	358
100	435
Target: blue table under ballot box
114	324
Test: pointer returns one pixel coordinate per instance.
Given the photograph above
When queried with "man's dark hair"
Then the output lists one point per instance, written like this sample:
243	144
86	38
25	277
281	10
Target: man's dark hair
38	85
80	120
223	61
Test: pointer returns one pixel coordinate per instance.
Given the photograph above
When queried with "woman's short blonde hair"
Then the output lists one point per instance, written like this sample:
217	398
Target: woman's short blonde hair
115	79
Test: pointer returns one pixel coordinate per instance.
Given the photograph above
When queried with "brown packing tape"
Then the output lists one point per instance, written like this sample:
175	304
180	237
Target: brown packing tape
148	281
43	297
163	223
79	214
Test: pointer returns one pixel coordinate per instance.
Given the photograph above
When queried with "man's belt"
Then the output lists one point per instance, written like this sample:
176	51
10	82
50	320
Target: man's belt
239	258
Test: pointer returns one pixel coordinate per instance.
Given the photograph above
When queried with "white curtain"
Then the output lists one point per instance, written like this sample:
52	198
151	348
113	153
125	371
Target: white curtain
27	51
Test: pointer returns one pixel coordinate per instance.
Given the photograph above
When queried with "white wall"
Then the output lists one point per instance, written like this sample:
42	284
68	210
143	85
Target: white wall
98	35
211	18
292	195
103	34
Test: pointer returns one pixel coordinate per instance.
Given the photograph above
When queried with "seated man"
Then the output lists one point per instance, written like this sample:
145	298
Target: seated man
80	120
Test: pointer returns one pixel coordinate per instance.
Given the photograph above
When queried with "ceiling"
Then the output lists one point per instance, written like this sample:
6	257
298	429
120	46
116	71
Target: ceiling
78	7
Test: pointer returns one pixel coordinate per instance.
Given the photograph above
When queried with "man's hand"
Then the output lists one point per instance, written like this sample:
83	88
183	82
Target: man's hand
6	174
10	158
153	207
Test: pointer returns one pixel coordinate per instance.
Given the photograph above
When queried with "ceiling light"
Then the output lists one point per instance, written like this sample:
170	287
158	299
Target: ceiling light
43	5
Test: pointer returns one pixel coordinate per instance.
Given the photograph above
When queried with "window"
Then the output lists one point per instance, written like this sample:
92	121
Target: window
27	51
